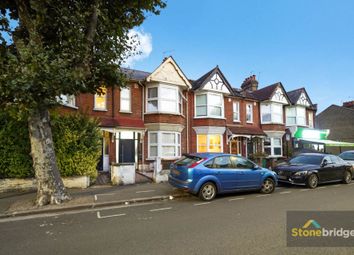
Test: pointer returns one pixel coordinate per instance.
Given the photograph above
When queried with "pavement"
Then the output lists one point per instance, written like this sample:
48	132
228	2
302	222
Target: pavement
22	203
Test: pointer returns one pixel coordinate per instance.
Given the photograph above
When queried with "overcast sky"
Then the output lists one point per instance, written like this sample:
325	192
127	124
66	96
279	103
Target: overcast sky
302	43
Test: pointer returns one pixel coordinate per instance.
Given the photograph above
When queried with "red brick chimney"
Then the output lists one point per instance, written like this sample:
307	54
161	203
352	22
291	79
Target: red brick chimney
250	84
349	104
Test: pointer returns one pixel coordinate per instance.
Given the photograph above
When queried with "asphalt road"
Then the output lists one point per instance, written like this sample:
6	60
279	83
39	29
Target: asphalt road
244	223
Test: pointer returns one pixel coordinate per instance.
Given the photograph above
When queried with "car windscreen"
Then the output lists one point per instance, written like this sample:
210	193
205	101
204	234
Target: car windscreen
347	155
187	160
306	159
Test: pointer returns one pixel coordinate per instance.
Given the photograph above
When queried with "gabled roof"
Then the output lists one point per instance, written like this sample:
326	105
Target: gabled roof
344	111
265	93
202	81
135	75
167	63
295	94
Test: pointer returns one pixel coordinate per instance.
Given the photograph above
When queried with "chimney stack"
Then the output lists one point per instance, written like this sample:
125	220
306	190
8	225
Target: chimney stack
349	104
250	84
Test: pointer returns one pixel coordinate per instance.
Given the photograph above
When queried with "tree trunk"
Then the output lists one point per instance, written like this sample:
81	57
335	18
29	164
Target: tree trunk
50	187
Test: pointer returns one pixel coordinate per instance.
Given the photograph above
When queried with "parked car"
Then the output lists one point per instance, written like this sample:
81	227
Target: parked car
209	174
347	156
311	169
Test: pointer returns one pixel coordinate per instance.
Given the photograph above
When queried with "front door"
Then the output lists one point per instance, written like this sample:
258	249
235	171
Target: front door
127	151
236	146
105	152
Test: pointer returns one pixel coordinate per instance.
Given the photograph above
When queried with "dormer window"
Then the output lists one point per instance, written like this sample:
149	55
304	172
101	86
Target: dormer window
163	99
209	105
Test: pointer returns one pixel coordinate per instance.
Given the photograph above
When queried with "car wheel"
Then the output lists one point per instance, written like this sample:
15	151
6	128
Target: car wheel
207	192
268	186
347	177
312	181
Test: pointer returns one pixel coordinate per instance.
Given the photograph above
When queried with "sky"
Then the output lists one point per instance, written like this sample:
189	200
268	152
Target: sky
301	43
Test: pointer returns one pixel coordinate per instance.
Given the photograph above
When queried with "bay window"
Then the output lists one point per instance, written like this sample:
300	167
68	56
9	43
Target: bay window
271	113
236	111
296	115
273	146
209	143
164	144
164	98
209	105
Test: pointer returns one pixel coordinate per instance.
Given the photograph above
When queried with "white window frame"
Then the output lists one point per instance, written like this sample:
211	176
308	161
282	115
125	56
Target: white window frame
236	111
272	146
296	116
160	98
105	100
68	100
209	105
208	141
251	113
272	113
160	145
128	98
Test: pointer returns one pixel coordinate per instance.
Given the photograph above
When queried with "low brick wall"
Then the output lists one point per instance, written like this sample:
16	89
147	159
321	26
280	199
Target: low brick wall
14	184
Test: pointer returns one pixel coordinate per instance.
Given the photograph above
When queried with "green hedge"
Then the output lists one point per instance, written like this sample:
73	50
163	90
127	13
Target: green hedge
15	148
77	141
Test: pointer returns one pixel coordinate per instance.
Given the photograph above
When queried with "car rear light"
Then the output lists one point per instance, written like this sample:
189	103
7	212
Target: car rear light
197	163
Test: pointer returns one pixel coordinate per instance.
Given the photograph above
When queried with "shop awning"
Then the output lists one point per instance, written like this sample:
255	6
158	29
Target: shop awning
328	143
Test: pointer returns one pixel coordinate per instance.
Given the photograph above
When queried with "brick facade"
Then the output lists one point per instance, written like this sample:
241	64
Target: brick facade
140	122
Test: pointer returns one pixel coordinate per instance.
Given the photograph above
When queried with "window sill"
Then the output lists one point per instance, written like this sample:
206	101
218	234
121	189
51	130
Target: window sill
125	111
209	117
236	121
275	123
249	122
70	106
100	110
171	113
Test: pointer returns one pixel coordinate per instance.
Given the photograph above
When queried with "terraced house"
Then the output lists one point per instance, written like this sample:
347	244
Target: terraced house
164	114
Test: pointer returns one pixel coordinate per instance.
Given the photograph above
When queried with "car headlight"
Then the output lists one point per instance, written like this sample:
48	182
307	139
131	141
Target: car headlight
300	173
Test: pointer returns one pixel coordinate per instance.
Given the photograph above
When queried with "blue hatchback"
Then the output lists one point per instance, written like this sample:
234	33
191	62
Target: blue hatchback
208	174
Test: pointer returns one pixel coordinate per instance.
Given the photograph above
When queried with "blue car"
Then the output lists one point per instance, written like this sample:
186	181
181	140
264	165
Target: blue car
208	174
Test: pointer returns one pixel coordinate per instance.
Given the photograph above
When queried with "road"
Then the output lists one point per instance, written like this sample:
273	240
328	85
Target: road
243	223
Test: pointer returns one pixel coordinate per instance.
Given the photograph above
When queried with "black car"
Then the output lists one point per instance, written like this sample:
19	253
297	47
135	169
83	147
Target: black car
311	169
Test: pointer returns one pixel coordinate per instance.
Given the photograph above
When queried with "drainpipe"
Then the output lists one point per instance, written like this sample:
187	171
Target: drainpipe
143	134
113	113
187	117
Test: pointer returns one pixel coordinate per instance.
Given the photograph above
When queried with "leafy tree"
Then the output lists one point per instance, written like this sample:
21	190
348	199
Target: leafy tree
61	47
